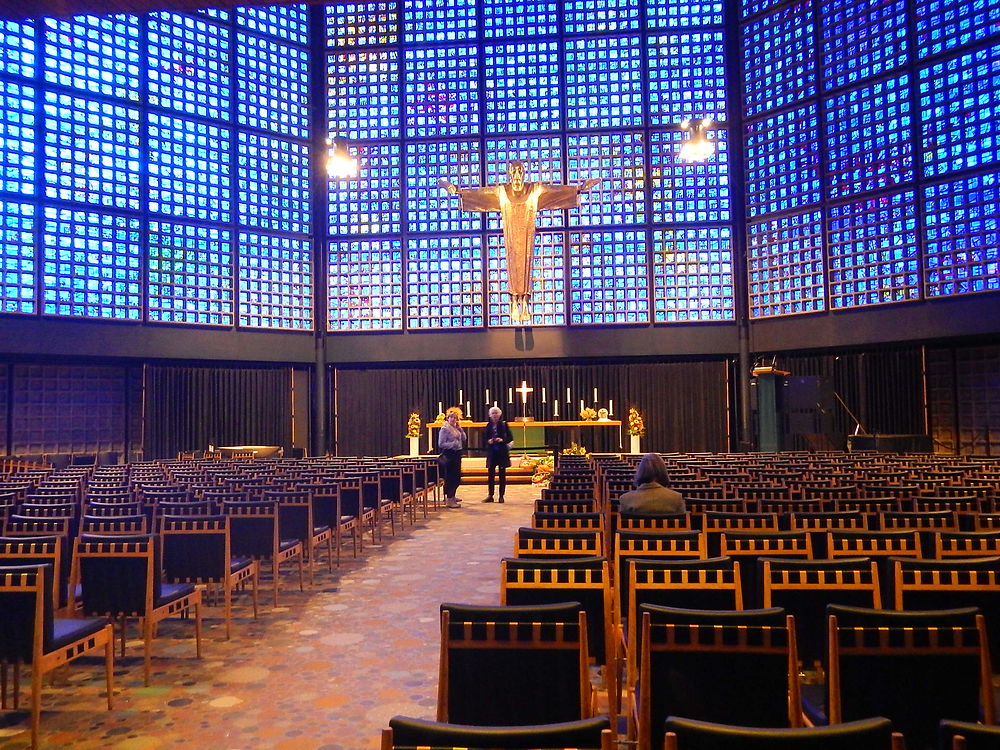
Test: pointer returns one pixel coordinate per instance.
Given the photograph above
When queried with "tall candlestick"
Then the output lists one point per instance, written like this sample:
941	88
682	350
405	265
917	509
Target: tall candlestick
611	407
510	395
568	399
555	408
440	410
468	410
460	399
595	395
543	394
487	396
581	404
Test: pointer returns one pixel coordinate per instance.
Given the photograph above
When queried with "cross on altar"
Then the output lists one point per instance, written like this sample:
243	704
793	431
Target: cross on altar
524	390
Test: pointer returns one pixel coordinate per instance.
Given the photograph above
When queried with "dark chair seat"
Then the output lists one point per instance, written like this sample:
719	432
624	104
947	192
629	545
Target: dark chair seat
66	630
585	734
239	563
171	592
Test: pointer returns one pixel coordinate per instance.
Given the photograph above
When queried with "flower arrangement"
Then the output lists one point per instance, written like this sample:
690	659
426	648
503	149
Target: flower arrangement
575	450
413	425
587	413
439	418
543	469
635	424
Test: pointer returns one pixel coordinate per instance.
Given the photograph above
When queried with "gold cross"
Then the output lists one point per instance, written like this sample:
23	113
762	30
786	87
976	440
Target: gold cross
524	390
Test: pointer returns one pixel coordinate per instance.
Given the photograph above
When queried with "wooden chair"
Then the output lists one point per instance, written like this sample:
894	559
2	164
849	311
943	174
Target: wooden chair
531	581
668	522
713	524
804	588
712	584
198	550
878	545
405	733
914	668
328	509
698	663
966	544
121	577
41	550
865	734
967	735
817	524
31	634
535	656
748	547
297	521
255	532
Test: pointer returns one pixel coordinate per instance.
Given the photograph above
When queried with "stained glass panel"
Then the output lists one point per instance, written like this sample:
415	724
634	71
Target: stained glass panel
945	24
522	87
430	208
289	23
369	204
272	91
17	47
188	65
363	98
17	257
692	275
17	134
93	151
862	39
601	16
548	274
868	138
959	102
872	251
505	19
96	54
441	91
775	79
190	274
604	82
608	272
444	279
275	282
684	13
273	184
617	159
91	265
688	191
366	285
785	265
687	77
962	236
438	20
782	161
362	23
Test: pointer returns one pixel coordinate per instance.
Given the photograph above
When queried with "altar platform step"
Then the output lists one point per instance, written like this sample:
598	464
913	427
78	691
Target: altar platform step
474	471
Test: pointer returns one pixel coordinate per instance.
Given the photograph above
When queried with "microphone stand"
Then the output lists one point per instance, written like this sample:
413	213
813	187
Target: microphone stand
859	428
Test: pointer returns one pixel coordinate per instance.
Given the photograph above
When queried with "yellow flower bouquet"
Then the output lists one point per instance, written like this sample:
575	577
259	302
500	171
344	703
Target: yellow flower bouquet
635	424
413	425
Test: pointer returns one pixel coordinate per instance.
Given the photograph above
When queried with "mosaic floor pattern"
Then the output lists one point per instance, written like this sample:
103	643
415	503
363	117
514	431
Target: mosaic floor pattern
323	671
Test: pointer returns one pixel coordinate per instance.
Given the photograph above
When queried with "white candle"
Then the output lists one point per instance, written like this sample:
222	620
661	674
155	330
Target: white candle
543	394
581	404
487	396
495	403
510	395
611	407
568	399
595	395
468	410
460	399
440	410
555	408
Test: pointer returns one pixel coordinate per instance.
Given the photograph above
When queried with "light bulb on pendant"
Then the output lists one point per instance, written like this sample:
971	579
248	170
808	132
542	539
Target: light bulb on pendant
699	146
339	162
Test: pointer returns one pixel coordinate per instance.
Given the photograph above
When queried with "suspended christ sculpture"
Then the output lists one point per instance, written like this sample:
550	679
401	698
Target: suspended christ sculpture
518	202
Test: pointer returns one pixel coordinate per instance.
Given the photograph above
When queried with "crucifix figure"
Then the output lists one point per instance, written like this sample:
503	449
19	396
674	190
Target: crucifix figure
518	202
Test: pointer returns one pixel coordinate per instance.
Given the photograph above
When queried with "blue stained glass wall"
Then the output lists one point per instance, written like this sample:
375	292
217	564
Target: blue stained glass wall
587	92
894	147
135	145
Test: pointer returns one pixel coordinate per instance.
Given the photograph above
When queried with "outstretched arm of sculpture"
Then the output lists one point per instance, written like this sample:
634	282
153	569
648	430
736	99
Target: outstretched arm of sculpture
474	199
564	196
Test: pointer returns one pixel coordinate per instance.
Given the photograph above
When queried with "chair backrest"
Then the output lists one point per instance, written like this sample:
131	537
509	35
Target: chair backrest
949	584
804	588
26	628
558	542
97	508
866	734
748	547
966	544
914	668
588	505
40	550
531	581
573	521
667	522
699	664
405	733
118	574
196	549
253	527
967	735
16	525
114	525
536	659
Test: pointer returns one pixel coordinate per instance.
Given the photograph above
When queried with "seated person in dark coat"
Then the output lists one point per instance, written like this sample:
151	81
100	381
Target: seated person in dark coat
651	497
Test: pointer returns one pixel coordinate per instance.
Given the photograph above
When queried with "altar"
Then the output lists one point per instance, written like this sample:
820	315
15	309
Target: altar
596	435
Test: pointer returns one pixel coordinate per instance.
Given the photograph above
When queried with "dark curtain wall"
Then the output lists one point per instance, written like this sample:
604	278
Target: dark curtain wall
189	408
684	404
963	385
883	388
64	410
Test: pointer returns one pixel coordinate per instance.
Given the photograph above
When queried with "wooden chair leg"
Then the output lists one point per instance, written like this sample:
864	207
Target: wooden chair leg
36	704
227	604
109	668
